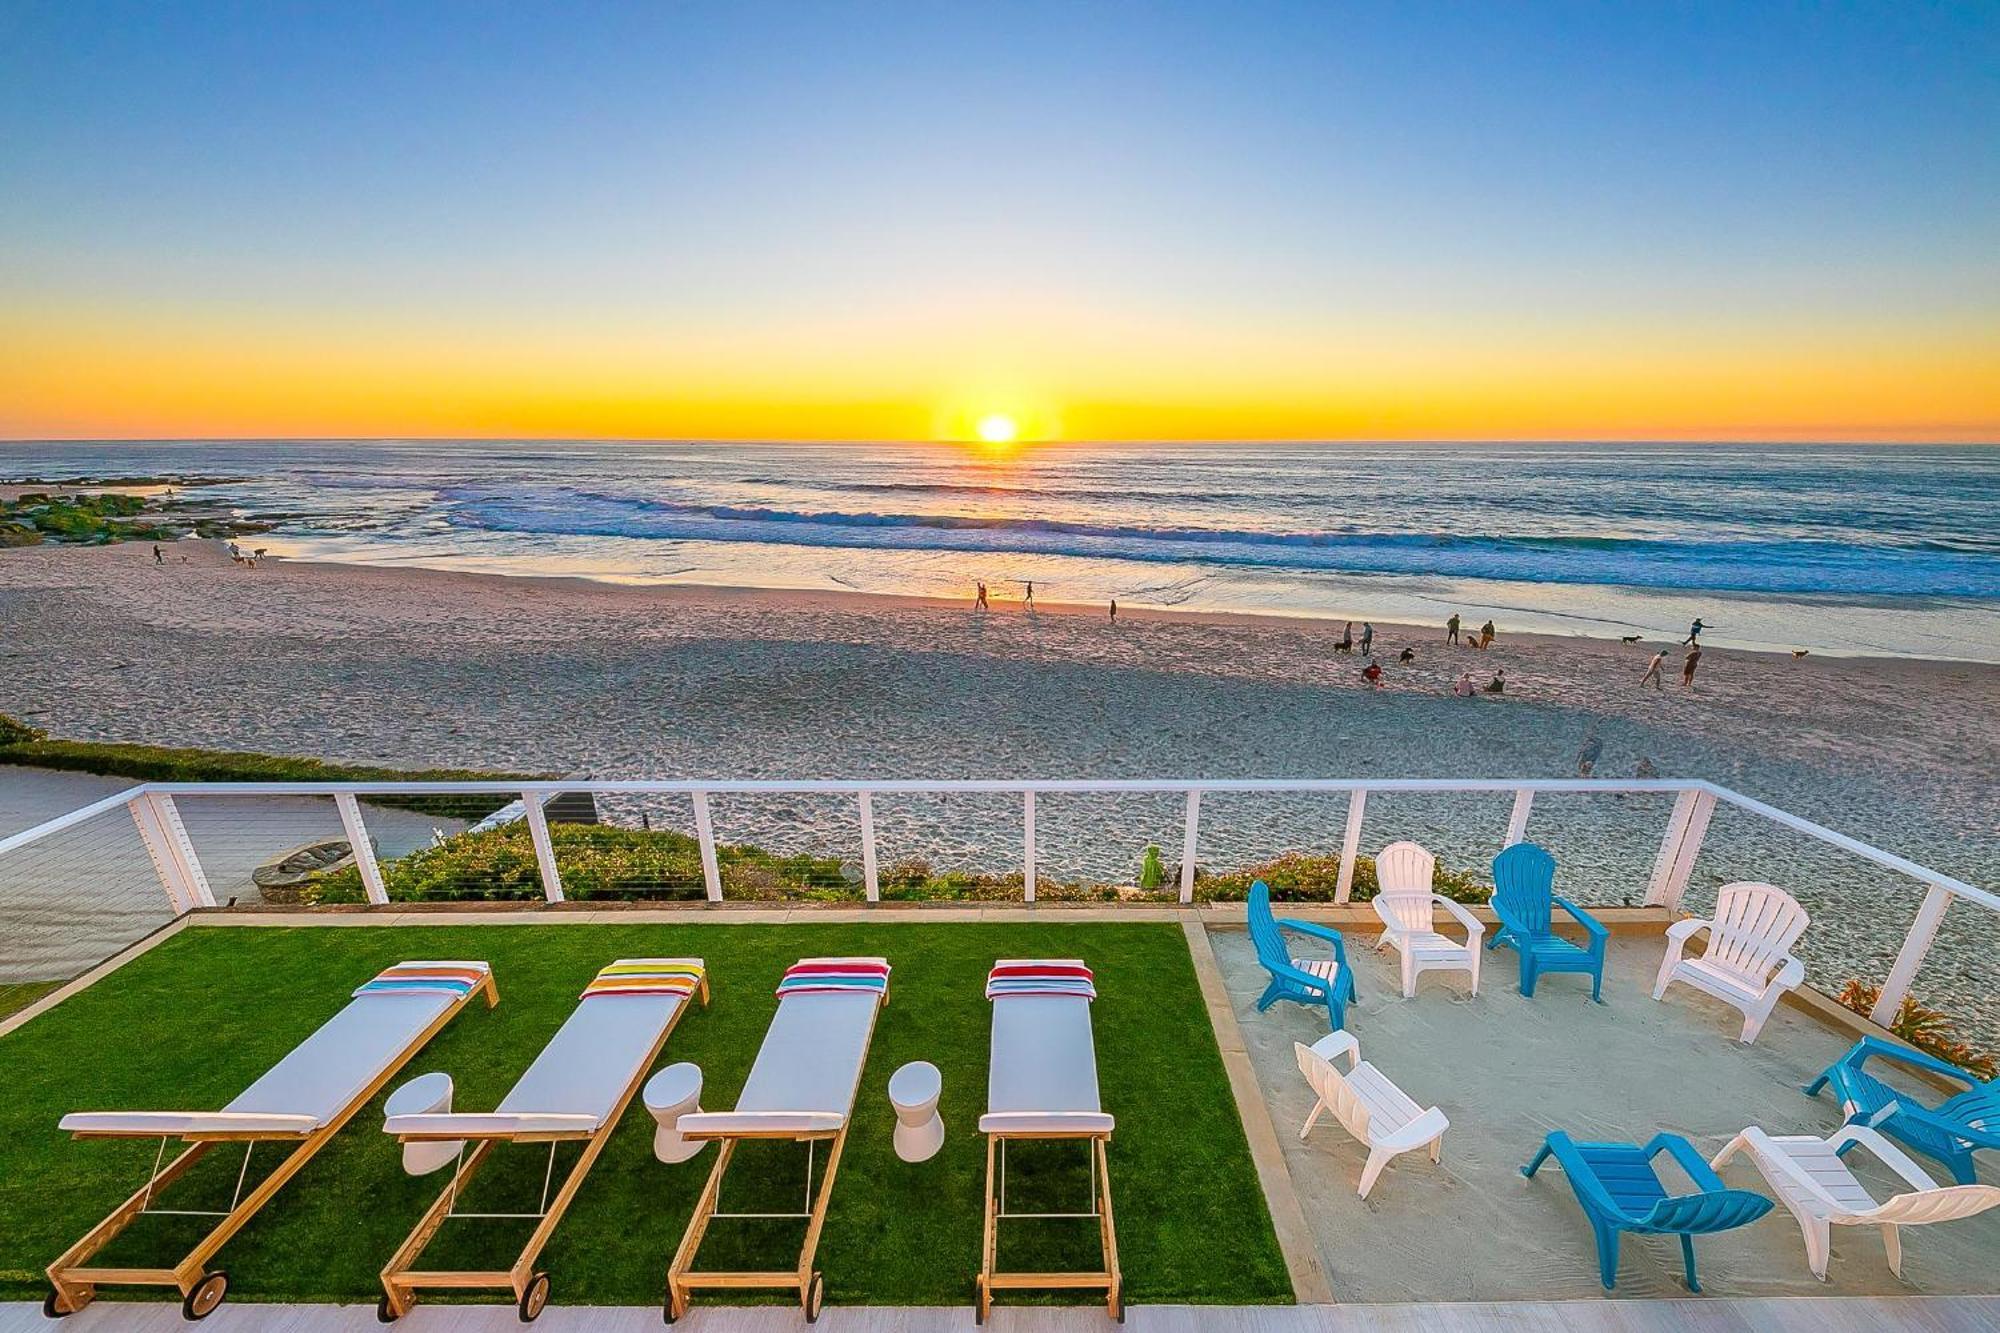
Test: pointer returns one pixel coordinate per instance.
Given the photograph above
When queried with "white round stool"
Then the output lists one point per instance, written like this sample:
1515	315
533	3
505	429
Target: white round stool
914	1091
670	1094
426	1094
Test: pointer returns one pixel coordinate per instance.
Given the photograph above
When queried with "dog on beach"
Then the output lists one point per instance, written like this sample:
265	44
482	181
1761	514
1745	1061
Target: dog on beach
1628	638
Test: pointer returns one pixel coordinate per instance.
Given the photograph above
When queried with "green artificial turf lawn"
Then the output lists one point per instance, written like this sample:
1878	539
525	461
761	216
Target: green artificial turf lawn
192	1022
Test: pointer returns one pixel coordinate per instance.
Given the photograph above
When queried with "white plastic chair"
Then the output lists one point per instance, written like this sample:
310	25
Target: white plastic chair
1809	1177
1748	962
1371	1108
1408	908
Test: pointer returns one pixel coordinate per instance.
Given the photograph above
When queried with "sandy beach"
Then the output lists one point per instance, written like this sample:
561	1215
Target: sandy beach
413	667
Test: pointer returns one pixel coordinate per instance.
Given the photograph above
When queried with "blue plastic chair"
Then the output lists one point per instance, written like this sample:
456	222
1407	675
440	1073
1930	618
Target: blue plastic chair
1524	898
1331	982
1950	1131
1616	1186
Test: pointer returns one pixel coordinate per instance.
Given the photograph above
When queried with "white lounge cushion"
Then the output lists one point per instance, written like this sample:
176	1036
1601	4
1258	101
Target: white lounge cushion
807	1071
601	1049
158	1124
1044	1064
728	1124
488	1125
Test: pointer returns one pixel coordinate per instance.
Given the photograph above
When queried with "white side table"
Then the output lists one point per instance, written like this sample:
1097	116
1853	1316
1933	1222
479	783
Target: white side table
426	1094
913	1092
670	1094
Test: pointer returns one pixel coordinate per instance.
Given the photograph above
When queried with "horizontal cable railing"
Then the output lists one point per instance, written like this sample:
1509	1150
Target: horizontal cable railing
204	853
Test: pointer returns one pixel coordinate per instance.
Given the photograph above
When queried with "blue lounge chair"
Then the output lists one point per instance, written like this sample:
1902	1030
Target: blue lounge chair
1618	1191
1950	1131
1524	898
1327	981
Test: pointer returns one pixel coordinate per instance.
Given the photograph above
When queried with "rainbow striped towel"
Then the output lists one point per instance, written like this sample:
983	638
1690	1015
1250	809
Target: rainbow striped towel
451	978
835	974
1040	976
647	976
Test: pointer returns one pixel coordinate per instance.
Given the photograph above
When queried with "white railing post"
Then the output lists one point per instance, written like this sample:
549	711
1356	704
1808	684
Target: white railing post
1350	844
545	849
1028	844
704	831
364	850
1517	823
1923	931
172	853
1675	864
1188	843
868	880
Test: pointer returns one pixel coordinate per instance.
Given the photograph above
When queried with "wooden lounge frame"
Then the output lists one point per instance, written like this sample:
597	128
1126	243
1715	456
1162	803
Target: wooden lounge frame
401	1280
74	1282
682	1278
992	1279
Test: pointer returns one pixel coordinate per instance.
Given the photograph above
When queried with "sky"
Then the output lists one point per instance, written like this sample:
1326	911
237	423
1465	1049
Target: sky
1098	221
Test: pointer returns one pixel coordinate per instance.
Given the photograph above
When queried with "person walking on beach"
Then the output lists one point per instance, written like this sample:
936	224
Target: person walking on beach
1694	633
1485	636
1688	666
1653	669
979	599
158	557
1030	599
1346	644
1367	637
1114	608
1451	629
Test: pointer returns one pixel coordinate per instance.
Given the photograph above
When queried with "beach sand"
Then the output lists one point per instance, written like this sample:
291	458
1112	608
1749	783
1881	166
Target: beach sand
415	667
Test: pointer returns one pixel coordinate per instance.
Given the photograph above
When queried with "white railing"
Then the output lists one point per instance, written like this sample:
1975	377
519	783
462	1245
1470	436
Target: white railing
154	812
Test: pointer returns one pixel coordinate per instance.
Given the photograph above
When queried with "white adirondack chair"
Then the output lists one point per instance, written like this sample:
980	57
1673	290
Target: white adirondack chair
1748	962
1809	1178
1408	908
1371	1108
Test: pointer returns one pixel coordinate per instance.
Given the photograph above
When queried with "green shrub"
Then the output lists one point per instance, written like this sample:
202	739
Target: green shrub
13	731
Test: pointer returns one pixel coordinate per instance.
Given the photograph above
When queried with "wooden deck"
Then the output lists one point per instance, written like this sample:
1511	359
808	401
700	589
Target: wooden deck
1932	1314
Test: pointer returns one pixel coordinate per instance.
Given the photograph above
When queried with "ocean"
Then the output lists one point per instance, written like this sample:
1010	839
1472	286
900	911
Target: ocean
1887	550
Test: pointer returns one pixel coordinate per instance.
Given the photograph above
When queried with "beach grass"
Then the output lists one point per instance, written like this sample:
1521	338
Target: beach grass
191	1022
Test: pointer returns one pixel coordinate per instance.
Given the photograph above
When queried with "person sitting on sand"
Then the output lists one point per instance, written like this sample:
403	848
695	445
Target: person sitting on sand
1451	629
1653	669
1498	685
1465	689
1688	666
1486	636
1407	656
1372	673
1367	638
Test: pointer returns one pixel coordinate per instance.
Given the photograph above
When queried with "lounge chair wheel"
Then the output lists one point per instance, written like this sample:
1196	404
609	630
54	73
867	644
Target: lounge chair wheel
200	1302
52	1305
815	1297
535	1298
385	1313
667	1315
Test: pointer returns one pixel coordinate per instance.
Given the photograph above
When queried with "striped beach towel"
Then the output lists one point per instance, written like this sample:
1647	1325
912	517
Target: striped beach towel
453	978
835	974
647	976
1040	976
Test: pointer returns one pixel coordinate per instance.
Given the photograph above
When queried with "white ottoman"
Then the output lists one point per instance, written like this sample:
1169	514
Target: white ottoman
426	1094
913	1091
670	1094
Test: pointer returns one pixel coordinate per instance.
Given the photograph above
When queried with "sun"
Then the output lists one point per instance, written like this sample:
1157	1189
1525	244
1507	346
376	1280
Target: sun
997	428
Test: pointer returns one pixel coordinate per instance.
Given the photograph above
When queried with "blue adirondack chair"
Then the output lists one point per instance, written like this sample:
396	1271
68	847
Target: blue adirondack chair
1950	1131
1327	981
1524	898
1618	1191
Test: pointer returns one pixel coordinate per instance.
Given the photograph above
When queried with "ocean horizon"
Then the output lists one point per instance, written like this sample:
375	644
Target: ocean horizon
1836	548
